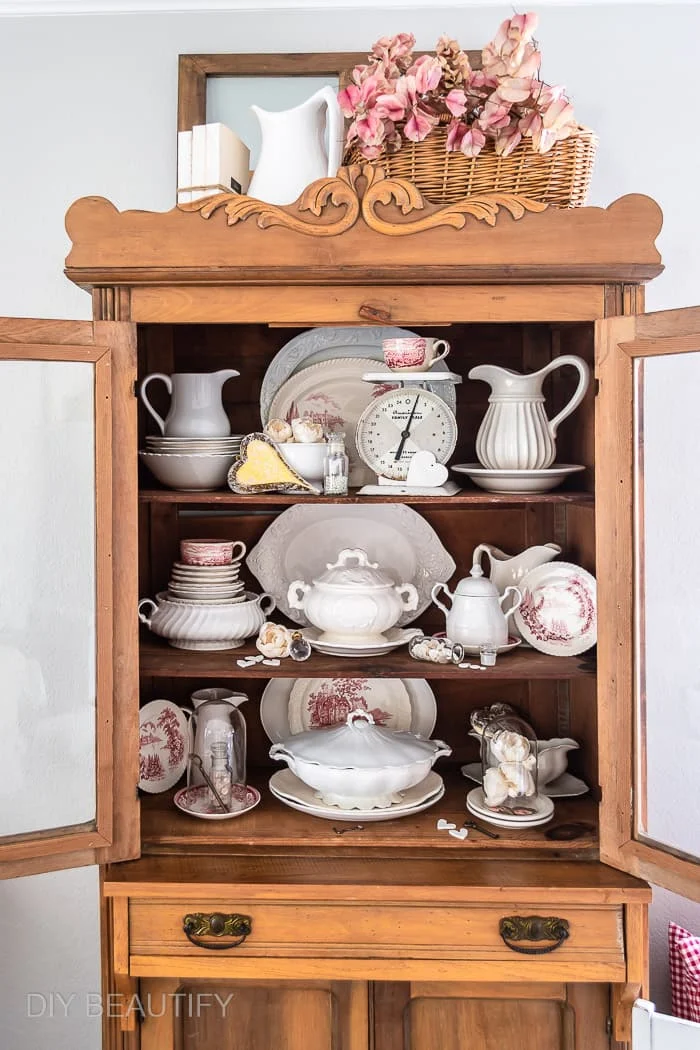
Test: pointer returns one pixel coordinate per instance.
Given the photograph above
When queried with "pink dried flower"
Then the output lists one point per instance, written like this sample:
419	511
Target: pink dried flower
455	133
427	72
511	47
494	115
473	142
456	102
507	139
396	98
470	140
406	105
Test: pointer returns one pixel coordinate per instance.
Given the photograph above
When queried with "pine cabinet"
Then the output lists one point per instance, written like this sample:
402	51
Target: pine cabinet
392	937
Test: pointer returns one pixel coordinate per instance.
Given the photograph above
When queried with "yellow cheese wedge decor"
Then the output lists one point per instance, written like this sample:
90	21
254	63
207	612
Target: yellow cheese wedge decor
261	468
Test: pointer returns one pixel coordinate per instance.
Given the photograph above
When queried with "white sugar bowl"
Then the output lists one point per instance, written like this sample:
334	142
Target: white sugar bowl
359	765
353	601
476	617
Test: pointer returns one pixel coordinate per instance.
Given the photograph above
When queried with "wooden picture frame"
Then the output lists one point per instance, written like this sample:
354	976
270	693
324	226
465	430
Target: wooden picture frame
194	70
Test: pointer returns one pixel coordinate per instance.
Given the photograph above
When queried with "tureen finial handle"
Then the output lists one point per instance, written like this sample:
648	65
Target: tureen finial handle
359	715
354	554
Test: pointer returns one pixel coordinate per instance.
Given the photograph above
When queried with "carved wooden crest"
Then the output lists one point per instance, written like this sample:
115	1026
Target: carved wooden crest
358	190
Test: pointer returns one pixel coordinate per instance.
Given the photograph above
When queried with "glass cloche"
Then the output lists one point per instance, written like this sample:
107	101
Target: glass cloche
509	765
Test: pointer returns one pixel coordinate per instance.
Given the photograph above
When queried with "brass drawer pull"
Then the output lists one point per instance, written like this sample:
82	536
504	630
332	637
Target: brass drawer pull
217	925
533	928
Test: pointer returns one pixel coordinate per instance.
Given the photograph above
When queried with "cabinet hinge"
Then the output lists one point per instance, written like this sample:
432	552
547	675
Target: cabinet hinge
609	1026
136	388
596	387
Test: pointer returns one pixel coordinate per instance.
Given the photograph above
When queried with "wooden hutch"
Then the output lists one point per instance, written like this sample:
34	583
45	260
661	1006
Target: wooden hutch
386	938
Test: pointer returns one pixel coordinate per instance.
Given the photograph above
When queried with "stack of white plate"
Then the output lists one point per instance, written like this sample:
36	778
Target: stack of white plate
540	809
210	584
178	446
287	787
191	464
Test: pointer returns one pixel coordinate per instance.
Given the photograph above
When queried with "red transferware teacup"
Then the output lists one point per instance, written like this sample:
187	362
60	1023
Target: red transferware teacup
211	552
413	353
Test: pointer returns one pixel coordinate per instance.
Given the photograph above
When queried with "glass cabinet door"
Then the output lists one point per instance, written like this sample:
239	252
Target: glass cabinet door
648	537
56	600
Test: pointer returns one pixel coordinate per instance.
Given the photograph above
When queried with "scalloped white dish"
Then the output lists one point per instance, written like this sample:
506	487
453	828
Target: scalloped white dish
286	787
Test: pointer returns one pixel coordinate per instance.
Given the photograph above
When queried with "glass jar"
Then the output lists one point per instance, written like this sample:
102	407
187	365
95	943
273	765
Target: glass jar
336	466
509	766
220	744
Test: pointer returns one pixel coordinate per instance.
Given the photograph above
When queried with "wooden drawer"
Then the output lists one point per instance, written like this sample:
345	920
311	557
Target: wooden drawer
449	941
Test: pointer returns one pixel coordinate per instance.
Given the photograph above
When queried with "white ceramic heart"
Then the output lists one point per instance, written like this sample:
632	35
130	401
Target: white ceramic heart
459	833
445	825
425	470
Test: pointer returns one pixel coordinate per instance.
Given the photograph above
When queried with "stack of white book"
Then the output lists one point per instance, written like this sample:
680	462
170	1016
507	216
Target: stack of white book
210	159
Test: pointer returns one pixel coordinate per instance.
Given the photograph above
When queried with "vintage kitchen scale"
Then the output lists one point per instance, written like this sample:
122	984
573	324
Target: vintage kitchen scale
407	435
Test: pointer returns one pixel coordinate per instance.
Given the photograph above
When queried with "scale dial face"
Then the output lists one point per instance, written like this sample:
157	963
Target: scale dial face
400	423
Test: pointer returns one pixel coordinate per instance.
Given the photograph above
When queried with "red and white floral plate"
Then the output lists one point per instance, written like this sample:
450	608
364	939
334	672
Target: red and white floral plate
197	802
283	716
315	703
163	735
558	612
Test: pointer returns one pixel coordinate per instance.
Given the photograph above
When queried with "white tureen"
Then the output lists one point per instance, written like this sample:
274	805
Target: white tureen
359	765
354	600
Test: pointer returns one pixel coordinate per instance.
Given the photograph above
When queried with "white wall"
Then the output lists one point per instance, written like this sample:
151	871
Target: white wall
87	106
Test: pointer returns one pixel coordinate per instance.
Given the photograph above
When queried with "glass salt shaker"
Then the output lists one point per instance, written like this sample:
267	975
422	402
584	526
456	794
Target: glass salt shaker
335	466
220	772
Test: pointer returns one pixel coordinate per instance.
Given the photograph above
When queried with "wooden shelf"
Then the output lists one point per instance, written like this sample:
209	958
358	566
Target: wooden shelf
272	825
158	659
462	500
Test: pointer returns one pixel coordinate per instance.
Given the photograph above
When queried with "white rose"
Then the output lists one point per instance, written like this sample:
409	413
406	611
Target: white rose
274	640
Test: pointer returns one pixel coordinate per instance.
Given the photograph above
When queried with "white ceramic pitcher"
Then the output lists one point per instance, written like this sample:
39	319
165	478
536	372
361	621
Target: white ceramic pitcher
515	433
196	408
293	152
508	570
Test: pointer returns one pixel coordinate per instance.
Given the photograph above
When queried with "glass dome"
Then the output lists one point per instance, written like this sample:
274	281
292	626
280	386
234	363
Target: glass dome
509	765
218	757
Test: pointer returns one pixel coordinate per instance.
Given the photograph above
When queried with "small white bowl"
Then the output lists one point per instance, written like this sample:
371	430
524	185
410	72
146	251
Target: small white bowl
306	459
198	472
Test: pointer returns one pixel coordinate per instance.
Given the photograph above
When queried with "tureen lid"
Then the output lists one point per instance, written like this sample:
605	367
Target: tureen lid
360	744
476	585
363	573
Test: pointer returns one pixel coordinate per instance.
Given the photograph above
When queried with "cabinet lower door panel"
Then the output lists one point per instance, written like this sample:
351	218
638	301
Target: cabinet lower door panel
263	1015
490	1017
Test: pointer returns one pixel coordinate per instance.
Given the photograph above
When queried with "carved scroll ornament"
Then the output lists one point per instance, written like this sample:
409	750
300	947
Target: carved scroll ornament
359	190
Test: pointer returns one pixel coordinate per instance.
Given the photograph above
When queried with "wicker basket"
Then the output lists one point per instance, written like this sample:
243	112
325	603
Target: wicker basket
560	177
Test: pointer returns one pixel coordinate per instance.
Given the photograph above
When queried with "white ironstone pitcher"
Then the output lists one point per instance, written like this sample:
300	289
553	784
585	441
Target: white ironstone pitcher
515	433
294	152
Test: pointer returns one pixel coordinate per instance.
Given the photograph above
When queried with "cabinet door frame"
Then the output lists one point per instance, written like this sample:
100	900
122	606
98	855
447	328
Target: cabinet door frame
113	834
620	343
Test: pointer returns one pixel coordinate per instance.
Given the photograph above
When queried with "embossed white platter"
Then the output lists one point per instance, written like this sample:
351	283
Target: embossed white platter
558	613
333	394
285	786
305	538
324	344
279	721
